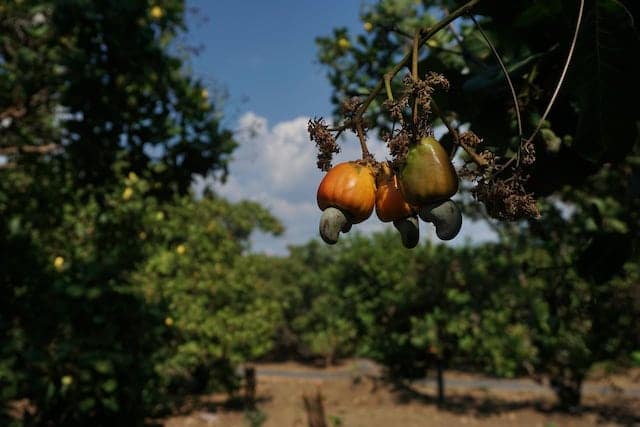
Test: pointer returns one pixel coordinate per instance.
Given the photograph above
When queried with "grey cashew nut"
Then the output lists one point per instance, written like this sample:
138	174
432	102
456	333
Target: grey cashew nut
332	221
446	216
409	231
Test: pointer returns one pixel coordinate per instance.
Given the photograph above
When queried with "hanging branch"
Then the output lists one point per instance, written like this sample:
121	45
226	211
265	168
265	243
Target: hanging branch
504	71
562	76
477	159
556	91
415	51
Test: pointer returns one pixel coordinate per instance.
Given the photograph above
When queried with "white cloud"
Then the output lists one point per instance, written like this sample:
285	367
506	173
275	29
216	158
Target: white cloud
277	167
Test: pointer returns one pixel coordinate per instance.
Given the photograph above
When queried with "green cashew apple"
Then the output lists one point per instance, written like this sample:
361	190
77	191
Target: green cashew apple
427	175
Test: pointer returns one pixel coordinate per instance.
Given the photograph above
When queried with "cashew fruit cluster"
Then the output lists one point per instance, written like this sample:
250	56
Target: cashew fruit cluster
422	188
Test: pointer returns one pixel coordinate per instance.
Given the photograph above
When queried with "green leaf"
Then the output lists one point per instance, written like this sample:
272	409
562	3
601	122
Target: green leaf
603	78
110	385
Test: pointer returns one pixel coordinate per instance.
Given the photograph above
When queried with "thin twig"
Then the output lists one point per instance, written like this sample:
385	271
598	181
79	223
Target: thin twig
447	123
414	55
387	86
363	142
562	76
414	72
439	48
394	29
627	11
466	53
477	159
505	72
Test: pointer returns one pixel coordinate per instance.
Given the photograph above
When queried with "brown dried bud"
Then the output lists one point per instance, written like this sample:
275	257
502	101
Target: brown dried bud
350	106
325	141
506	199
470	139
528	153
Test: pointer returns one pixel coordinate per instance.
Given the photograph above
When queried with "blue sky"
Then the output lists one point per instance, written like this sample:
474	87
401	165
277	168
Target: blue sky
263	54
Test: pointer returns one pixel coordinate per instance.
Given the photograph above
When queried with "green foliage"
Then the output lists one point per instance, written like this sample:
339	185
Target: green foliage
99	79
77	327
120	290
149	295
117	286
217	312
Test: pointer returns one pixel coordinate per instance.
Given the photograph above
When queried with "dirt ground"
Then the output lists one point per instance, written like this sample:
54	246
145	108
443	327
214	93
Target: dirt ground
353	399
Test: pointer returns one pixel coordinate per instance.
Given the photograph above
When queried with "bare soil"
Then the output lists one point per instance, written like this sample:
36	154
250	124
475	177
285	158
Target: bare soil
354	397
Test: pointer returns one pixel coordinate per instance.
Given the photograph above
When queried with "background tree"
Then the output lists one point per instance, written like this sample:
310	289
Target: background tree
219	312
102	128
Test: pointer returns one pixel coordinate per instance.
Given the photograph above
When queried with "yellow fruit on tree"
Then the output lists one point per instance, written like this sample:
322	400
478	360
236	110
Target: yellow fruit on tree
156	12
127	193
343	43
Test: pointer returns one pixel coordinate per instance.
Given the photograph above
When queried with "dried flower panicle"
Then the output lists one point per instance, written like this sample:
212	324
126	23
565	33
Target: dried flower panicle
470	139
325	141
422	90
397	108
506	199
349	107
416	93
528	153
489	157
398	143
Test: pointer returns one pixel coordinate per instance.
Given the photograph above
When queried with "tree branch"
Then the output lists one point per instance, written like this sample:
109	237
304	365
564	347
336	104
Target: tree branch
14	112
477	159
464	9
29	149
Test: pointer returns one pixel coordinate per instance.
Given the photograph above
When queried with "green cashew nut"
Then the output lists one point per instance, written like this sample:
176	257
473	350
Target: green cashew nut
446	216
409	231
332	221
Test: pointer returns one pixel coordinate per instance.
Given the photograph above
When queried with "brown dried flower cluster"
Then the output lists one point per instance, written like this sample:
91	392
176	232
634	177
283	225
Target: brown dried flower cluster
506	199
528	153
422	90
397	108
398	143
325	141
418	94
349	107
470	139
